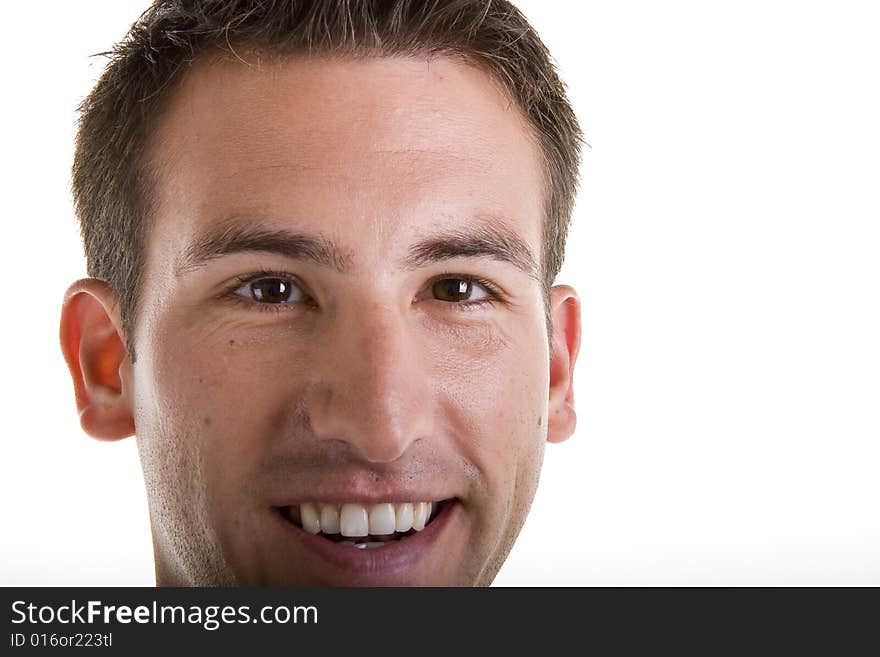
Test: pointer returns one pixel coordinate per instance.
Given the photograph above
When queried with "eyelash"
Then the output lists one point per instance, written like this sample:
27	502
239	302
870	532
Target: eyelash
495	293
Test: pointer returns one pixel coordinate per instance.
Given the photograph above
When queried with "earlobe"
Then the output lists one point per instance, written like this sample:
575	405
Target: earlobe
94	349
565	313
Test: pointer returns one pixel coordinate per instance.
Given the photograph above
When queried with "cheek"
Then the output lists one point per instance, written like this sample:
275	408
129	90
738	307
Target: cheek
210	397
497	397
226	383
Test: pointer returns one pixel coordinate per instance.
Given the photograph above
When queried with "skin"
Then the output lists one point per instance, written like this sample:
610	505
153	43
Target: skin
365	383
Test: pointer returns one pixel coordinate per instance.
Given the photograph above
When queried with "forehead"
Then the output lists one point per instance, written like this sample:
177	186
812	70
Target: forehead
372	152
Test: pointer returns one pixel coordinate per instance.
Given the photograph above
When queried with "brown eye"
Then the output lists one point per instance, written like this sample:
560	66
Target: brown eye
455	290
270	289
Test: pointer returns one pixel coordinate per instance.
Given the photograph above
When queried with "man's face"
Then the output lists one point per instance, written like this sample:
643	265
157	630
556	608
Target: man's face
329	319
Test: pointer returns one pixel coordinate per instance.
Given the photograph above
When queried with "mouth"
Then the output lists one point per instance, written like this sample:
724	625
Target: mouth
365	526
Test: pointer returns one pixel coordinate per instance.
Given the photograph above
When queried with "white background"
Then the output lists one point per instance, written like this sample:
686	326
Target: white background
725	246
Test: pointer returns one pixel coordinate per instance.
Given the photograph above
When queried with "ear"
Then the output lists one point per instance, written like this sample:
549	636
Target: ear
94	348
565	314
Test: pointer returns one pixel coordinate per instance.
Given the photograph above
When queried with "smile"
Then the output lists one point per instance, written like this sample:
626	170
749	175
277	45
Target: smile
364	526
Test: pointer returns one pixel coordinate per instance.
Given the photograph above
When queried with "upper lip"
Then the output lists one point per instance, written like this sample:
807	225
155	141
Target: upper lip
336	497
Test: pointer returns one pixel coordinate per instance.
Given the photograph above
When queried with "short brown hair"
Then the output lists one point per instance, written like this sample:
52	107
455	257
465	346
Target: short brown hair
112	185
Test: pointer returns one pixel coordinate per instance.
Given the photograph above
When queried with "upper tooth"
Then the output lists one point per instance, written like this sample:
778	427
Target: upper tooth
353	520
360	520
329	519
309	517
382	519
420	515
404	517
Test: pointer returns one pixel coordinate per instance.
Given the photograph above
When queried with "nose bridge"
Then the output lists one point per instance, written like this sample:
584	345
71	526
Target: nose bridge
370	390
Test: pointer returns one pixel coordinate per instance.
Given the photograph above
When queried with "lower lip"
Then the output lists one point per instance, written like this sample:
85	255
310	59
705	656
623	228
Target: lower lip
395	558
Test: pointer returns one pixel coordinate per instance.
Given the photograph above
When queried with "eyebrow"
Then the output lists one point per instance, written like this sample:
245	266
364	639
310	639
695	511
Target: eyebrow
479	239
240	238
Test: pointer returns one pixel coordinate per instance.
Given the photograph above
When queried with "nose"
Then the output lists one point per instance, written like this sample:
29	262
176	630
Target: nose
370	387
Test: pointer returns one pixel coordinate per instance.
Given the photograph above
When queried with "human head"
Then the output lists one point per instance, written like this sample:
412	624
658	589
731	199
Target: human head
133	149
